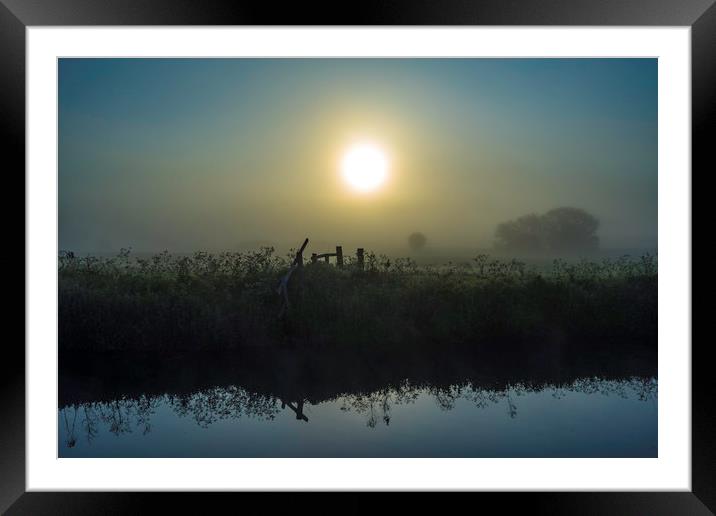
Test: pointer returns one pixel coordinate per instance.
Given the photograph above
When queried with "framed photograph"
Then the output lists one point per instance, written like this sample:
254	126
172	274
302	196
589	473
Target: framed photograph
440	248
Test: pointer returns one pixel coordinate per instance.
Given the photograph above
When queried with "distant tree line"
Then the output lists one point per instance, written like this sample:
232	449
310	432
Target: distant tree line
561	230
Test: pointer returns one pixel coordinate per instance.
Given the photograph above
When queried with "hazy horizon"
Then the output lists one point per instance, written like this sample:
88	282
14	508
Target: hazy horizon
215	154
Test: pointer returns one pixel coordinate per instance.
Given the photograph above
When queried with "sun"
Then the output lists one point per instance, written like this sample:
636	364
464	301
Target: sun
364	167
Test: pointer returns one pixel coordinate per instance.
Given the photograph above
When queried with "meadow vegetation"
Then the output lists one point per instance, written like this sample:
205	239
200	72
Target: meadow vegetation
229	301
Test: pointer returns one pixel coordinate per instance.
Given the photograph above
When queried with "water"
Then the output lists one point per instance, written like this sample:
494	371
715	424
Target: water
582	417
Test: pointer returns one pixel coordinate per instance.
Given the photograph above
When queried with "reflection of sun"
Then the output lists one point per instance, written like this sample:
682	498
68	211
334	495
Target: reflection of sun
364	167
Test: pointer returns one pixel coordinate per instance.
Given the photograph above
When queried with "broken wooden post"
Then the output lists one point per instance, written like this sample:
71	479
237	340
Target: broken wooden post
283	285
314	258
326	257
359	254
339	256
299	255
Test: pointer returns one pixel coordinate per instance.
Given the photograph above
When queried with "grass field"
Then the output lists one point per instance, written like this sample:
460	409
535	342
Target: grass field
230	300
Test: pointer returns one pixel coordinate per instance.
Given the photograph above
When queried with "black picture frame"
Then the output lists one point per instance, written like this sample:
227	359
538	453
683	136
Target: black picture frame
16	15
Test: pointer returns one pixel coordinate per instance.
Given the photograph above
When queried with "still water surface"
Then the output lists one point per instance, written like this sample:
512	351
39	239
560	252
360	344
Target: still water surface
588	417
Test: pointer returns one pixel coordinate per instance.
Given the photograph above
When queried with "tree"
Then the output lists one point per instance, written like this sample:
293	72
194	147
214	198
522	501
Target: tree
524	234
571	229
561	230
417	241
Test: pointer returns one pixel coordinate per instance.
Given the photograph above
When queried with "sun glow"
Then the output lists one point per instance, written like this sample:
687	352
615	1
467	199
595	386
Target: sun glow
364	167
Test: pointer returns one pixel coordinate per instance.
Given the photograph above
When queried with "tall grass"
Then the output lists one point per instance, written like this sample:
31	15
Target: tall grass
229	300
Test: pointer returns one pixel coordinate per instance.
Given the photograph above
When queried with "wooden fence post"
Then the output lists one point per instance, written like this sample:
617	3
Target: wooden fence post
359	254
314	258
339	256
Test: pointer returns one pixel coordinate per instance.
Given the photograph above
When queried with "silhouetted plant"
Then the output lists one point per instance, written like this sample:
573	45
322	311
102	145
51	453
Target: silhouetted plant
229	300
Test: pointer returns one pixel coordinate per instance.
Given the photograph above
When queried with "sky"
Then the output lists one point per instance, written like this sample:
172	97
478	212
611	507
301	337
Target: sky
227	154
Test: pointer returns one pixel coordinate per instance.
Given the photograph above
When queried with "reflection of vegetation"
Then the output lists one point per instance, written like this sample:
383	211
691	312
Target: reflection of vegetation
211	405
378	404
70	431
119	416
446	397
511	407
229	300
206	407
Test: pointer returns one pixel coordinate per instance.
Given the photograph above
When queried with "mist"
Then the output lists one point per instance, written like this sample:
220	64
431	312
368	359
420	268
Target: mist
232	154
